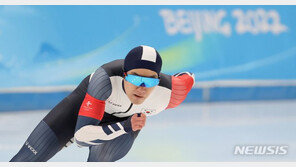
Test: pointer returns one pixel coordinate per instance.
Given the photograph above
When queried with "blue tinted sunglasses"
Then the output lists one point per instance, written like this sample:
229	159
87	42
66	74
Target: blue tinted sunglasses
142	81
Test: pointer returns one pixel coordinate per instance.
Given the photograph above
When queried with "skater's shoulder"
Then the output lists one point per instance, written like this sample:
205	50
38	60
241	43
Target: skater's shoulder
114	68
165	81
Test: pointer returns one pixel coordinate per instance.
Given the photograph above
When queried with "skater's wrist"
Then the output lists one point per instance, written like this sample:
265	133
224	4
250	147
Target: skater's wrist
127	125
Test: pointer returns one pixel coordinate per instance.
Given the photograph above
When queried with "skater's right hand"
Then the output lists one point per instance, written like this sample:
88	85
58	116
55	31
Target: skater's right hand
138	121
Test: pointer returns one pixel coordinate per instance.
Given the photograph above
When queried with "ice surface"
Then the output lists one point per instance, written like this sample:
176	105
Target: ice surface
190	132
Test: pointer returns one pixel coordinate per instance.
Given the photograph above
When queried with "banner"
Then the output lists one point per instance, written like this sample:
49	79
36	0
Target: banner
60	45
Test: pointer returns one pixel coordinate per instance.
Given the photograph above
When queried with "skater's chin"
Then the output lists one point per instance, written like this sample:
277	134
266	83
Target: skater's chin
136	99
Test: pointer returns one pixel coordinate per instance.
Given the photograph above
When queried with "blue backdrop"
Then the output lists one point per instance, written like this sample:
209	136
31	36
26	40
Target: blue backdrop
60	45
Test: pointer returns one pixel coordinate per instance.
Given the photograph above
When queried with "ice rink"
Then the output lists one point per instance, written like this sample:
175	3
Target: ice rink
190	132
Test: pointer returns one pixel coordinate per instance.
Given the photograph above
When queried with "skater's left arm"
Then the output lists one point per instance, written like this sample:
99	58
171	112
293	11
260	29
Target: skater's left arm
182	83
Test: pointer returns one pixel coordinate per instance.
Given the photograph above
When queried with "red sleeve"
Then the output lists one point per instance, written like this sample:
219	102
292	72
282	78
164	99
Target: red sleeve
92	107
181	85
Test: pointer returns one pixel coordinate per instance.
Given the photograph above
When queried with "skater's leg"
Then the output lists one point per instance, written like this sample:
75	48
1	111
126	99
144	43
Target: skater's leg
41	145
112	150
55	130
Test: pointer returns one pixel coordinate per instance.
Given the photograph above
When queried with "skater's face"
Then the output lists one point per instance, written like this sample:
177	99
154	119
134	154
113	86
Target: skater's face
138	94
